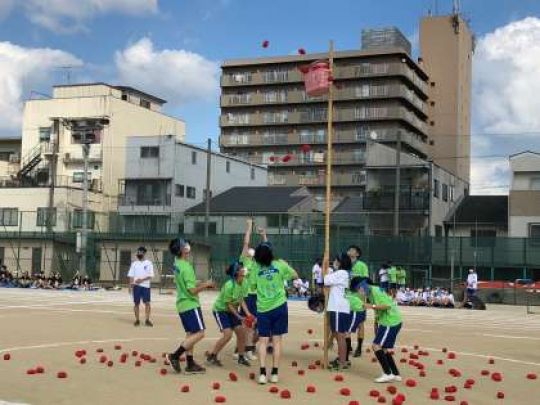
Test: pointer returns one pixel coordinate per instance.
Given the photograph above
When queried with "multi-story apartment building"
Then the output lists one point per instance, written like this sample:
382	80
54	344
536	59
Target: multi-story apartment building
524	196
165	177
382	97
48	132
266	115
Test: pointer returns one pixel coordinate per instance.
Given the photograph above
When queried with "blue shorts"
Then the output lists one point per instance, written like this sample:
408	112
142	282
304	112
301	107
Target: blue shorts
251	304
339	321
226	320
384	285
356	319
386	336
141	293
274	322
192	320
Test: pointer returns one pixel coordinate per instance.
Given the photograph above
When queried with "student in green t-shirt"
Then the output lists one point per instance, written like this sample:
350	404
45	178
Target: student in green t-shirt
358	316
389	324
272	312
401	277
250	286
228	318
392	279
187	306
359	269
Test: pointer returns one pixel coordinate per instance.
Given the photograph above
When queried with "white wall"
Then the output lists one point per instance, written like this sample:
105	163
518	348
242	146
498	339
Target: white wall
519	226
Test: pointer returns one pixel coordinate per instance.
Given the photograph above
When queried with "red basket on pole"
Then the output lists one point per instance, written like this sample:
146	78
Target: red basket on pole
317	79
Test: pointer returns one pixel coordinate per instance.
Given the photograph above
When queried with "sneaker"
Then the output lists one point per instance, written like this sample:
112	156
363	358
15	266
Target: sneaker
385	378
398	378
274	378
251	356
212	360
235	356
148	323
262	379
357	352
136	323
195	369
173	362
243	361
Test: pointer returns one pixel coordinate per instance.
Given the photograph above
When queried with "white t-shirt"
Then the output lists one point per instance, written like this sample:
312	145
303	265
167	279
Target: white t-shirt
383	275
141	269
338	281
317	274
472	281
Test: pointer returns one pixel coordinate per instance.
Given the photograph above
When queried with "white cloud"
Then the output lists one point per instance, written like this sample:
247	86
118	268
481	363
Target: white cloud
507	72
65	16
175	74
21	69
490	176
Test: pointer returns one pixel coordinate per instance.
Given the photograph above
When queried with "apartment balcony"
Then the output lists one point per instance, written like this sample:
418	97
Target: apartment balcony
366	114
74	154
132	204
352	179
311	159
360	71
409	200
349	93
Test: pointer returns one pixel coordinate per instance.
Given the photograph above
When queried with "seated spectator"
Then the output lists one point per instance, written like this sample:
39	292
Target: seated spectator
405	296
86	283
448	300
25	281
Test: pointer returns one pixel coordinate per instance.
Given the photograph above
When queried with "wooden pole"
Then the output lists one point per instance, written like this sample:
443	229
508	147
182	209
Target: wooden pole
328	200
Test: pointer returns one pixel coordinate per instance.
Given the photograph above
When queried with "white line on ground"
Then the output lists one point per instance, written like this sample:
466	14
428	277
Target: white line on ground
510	337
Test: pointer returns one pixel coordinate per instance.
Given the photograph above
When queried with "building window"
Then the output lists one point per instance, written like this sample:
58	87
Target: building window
238	118
228	167
44	134
438	231
534	231
46	217
193	158
252	173
199	228
124	97
276	76
77	219
9	216
78	177
436	188
273	221
204	194
452	193
535	183
445	192
179	190
274	96
144	103
362	90
244	77
191	193
149	152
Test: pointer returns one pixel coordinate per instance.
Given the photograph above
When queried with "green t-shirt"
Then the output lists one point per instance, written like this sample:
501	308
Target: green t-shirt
231	293
401	275
271	284
387	317
355	301
184	277
360	269
392	274
250	281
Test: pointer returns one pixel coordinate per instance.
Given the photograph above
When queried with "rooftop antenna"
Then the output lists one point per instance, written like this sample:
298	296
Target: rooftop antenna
67	71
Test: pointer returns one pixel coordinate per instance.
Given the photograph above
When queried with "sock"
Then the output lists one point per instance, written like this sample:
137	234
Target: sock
381	356
180	351
392	364
189	360
274	370
349	348
263	370
359	347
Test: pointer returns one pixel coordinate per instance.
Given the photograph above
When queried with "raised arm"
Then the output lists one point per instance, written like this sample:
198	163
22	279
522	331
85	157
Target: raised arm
262	232
247	236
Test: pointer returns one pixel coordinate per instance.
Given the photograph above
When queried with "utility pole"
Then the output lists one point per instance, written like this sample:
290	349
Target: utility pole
55	137
84	229
397	185
207	193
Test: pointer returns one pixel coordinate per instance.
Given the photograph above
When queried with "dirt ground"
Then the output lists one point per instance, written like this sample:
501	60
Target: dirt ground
45	328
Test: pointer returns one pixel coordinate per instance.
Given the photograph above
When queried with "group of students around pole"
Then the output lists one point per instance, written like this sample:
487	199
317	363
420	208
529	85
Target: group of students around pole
252	304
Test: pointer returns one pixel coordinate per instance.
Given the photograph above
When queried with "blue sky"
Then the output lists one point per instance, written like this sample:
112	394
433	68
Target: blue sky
110	40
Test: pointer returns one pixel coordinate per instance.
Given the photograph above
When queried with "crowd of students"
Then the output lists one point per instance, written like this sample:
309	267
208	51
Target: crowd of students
426	297
252	306
52	281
